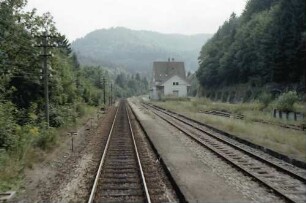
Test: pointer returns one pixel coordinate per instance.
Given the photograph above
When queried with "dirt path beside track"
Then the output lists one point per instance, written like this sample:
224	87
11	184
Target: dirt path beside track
66	176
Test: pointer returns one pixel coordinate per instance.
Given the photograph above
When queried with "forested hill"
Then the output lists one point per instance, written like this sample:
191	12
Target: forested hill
136	50
266	44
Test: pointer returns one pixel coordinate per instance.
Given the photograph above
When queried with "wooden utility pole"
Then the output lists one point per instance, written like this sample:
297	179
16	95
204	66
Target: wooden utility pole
45	70
46	76
111	94
104	91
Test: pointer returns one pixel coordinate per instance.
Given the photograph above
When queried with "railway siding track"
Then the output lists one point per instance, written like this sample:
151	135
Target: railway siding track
288	182
241	117
127	171
299	172
282	165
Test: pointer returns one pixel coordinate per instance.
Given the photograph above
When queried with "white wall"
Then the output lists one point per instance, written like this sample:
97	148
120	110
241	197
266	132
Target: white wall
181	87
153	94
156	92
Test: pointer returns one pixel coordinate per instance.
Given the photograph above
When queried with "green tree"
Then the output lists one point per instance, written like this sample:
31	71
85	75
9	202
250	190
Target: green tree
265	44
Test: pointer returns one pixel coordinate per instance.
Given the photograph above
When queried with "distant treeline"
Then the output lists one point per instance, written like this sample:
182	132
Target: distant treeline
266	44
135	50
131	85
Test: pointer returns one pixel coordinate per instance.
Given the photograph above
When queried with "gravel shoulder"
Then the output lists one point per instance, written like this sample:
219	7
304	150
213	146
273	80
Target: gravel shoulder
66	176
201	175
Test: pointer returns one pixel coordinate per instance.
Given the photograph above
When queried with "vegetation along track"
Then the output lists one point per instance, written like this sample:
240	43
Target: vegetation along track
129	170
241	117
285	180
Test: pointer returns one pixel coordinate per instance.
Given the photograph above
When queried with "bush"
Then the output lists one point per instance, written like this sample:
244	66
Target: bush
61	115
225	96
175	98
8	125
4	158
248	96
286	101
81	110
265	99
47	139
9	171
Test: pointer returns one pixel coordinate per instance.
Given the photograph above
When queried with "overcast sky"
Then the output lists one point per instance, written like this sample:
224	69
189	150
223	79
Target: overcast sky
76	18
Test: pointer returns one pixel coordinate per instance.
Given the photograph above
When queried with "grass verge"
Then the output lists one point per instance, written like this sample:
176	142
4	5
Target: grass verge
13	163
286	141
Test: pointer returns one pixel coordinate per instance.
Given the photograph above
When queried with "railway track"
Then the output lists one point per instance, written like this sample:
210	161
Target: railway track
283	179
241	117
127	171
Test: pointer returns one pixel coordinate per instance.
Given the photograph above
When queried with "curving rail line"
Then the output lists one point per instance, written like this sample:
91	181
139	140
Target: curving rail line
284	181
120	176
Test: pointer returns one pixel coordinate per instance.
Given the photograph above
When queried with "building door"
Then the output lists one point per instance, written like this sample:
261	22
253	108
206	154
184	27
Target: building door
176	93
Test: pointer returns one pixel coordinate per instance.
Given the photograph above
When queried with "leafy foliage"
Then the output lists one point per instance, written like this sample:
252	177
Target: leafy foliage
265	98
7	125
286	101
266	44
71	87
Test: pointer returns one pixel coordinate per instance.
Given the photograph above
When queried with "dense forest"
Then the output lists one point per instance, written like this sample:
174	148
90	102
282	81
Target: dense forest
21	80
73	89
265	45
135	51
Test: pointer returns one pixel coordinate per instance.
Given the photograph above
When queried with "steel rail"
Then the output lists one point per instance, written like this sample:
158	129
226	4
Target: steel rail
93	191
178	191
279	167
94	187
138	160
201	142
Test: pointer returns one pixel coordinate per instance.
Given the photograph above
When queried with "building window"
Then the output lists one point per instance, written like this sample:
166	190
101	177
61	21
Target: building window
176	93
175	83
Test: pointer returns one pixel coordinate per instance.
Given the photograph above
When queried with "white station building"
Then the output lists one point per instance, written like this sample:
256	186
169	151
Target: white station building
169	79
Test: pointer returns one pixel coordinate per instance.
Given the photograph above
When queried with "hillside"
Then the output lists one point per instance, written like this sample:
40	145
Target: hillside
265	45
136	50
